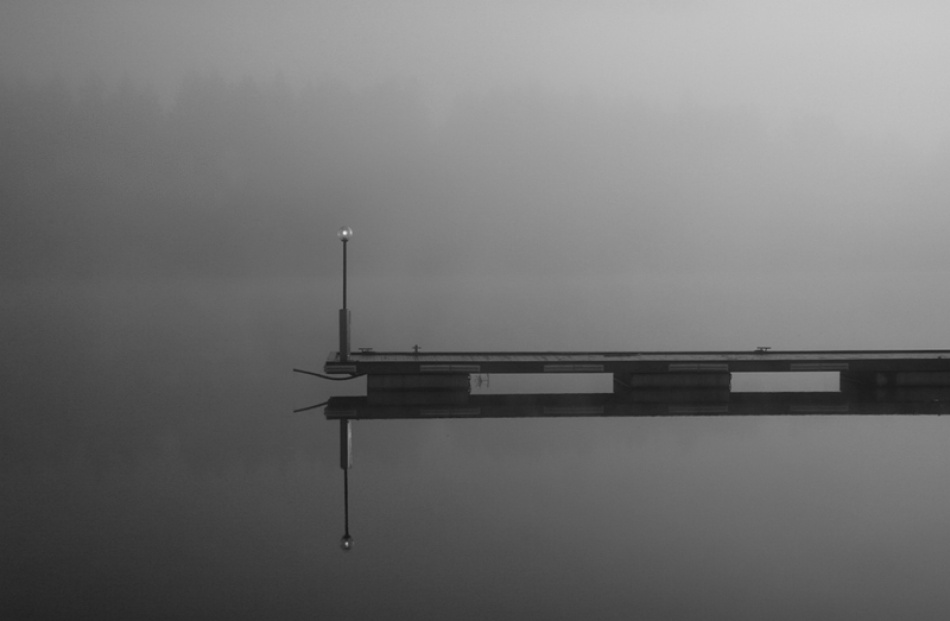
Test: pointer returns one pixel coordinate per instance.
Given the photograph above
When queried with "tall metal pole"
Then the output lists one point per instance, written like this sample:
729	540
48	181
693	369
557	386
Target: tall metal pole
344	234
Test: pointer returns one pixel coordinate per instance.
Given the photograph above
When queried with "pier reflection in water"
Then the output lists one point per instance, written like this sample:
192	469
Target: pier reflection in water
459	404
920	401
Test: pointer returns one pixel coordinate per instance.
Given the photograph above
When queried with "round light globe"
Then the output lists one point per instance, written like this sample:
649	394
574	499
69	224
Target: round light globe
346	543
345	233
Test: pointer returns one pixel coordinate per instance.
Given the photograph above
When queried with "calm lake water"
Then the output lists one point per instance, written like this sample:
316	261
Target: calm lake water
152	467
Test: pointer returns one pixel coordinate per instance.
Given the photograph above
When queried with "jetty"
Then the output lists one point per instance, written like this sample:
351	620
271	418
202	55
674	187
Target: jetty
438	384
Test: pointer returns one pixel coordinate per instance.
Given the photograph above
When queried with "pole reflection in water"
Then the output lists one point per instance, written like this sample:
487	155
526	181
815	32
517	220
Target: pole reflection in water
346	462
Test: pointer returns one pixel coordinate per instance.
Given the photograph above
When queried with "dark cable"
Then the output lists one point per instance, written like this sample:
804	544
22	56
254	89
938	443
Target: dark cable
335	379
312	407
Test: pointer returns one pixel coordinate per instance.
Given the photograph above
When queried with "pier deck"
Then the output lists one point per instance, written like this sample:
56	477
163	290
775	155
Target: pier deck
866	361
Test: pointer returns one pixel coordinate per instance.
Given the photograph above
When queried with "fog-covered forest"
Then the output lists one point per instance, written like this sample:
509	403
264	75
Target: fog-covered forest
241	178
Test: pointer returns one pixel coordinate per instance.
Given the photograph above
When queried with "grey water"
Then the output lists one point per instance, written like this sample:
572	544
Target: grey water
152	464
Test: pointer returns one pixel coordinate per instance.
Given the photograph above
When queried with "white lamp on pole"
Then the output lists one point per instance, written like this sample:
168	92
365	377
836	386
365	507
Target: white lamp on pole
344	234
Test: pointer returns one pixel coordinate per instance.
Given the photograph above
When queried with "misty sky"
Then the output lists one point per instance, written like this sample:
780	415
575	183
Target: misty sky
520	175
871	66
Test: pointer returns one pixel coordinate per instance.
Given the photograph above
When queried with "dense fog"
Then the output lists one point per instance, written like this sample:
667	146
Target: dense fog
519	176
239	178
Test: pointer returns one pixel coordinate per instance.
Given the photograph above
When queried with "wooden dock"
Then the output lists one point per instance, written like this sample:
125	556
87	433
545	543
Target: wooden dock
882	361
437	384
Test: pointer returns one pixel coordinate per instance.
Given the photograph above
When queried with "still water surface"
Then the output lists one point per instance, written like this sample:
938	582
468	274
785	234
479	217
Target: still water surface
152	466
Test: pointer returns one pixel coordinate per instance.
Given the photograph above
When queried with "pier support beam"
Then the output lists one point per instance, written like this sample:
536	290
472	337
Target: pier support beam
900	386
418	389
662	387
854	384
